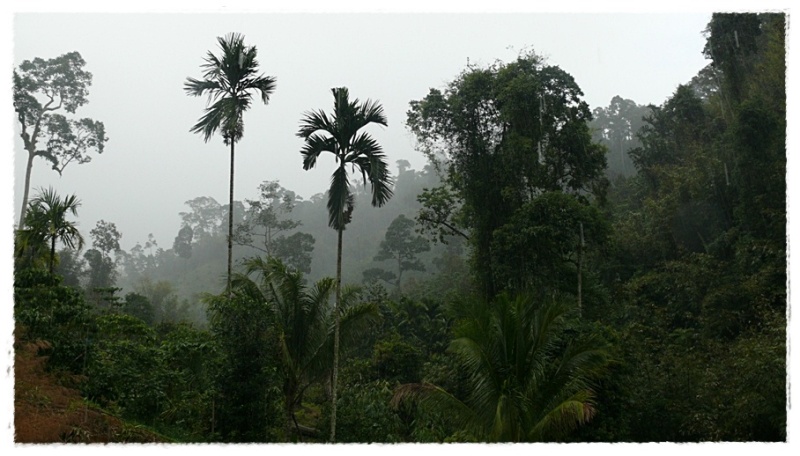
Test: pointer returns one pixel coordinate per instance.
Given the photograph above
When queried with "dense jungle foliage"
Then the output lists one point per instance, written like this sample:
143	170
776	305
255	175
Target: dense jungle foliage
555	273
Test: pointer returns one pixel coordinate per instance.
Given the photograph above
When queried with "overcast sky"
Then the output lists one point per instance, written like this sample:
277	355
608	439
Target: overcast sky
152	164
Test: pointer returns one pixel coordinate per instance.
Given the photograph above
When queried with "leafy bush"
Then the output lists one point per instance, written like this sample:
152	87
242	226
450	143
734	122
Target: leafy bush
55	313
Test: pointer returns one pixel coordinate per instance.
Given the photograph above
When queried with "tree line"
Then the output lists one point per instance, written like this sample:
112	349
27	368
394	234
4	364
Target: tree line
616	274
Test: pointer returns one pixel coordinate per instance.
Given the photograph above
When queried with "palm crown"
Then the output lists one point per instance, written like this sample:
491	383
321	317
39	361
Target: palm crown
339	135
229	81
303	319
46	222
529	383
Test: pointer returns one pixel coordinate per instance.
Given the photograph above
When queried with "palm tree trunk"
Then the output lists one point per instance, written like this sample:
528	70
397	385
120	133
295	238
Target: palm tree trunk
52	253
213	415
230	225
297	428
287	426
336	333
27	188
580	271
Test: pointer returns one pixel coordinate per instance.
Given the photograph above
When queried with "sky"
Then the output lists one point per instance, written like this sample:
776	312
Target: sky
141	54
152	164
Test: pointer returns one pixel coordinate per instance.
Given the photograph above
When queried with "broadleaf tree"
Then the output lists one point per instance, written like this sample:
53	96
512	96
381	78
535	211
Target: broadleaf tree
42	88
502	136
402	246
102	267
266	226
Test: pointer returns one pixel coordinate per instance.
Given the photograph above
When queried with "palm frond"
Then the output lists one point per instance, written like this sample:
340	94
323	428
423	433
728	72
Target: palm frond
372	162
46	219
71	237
545	323
372	112
243	286
256	264
211	120
71	204
338	196
313	147
320	293
485	374
265	85
356	319
565	416
197	87
316	360
229	81
343	108
301	315
588	356
288	289
438	400
524	383
314	121
32	238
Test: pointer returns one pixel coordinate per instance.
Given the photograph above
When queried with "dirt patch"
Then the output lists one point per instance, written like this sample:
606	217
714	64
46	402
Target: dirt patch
46	411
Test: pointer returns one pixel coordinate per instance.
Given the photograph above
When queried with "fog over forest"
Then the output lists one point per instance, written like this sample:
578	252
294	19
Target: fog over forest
262	227
152	164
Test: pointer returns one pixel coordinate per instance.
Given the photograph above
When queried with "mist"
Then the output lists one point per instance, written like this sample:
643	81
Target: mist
419	228
152	164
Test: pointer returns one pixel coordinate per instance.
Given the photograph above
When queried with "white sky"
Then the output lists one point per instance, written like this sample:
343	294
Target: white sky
139	62
140	58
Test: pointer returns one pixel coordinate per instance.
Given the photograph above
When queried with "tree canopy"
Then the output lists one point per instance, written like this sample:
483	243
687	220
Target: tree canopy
41	89
502	136
561	300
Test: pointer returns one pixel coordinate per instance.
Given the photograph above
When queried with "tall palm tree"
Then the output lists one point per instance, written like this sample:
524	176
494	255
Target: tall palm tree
303	322
527	381
230	81
339	134
46	222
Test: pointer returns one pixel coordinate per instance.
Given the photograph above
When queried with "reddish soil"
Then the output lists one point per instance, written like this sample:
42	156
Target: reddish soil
48	410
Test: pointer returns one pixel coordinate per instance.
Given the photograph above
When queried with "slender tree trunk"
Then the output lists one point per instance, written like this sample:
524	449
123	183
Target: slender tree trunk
297	428
230	226
83	372
580	271
336	334
213	414
25	193
288	410
287	427
399	272
30	145
52	253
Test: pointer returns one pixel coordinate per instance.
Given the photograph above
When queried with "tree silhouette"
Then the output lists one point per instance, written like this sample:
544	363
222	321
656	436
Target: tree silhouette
339	135
230	81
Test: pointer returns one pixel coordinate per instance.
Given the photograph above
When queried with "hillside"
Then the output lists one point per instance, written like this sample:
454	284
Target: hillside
47	411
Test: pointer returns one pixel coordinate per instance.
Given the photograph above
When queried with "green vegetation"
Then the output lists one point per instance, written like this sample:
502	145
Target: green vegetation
46	222
569	275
